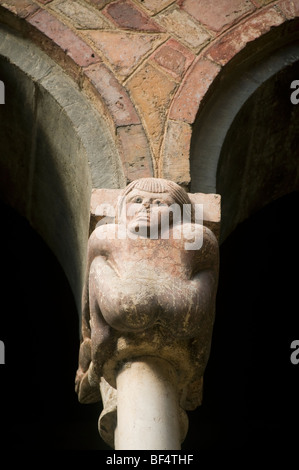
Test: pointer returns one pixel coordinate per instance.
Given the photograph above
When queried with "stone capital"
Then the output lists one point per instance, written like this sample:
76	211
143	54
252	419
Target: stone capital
148	297
103	203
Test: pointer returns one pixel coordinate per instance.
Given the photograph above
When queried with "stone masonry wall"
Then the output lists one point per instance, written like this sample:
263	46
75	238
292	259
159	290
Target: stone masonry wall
146	64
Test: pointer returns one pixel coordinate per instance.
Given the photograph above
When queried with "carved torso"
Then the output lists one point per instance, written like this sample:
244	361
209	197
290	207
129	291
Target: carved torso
137	282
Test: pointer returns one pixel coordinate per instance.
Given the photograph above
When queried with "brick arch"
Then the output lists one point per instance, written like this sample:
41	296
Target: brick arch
95	79
53	142
248	175
151	104
201	81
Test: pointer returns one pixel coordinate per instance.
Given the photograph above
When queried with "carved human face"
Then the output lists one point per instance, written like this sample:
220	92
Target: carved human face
145	209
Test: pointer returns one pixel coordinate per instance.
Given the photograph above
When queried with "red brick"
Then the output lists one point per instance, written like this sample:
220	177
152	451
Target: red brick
152	91
290	8
80	52
192	90
125	15
21	8
217	14
261	3
134	152
176	151
123	49
81	16
182	26
113	94
234	41
155	6
174	57
99	3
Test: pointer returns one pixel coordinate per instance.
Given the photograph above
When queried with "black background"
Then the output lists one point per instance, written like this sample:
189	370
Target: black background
251	388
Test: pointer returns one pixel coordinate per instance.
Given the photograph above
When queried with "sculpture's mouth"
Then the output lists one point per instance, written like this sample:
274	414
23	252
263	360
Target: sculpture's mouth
143	217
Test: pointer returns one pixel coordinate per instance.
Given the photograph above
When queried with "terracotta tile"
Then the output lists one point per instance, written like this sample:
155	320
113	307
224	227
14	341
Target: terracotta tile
124	50
152	91
176	151
113	94
290	8
174	58
21	8
217	14
184	27
134	152
72	45
234	41
80	15
192	90
126	15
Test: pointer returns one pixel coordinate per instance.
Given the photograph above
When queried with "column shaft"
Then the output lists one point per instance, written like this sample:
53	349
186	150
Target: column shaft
147	406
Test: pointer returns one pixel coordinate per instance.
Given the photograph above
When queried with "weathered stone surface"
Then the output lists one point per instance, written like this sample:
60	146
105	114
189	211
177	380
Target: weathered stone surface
80	52
113	94
152	91
108	417
103	200
123	50
80	15
234	41
217	14
134	152
126	15
260	3
155	6
152	301
99	3
182	26
211	210
22	8
194	87
176	150
174	58
290	8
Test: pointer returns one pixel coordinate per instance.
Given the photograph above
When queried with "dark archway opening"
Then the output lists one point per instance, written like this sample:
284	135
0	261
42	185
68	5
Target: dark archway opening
39	326
259	158
251	387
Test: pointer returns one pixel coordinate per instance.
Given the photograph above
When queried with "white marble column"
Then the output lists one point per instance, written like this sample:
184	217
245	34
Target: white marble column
147	406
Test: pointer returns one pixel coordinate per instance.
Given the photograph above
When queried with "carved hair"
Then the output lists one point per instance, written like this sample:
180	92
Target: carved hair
160	185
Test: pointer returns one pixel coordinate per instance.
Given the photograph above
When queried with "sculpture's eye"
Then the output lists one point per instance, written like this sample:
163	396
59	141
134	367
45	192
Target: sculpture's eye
138	200
160	203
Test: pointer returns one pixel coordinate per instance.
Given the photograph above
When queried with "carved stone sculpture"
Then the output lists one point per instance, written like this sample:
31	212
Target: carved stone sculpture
147	293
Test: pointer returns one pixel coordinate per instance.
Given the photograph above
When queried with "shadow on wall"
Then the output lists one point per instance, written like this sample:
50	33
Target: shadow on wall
259	158
54	147
44	176
251	387
245	137
43	172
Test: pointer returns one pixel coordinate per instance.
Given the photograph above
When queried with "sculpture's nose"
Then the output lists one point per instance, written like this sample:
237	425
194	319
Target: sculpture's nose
146	203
